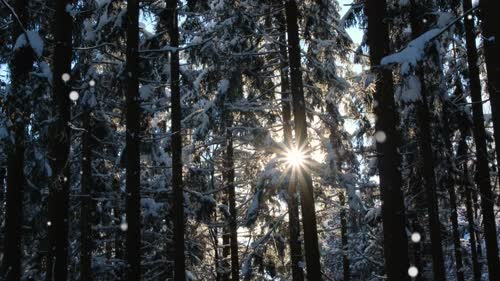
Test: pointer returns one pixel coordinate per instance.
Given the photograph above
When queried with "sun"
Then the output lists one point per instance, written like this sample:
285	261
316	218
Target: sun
295	157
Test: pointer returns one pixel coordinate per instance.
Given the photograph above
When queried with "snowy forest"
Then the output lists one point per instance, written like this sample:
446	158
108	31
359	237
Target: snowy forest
238	140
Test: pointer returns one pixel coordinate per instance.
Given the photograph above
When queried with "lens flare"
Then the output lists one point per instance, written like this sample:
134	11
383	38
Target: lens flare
295	157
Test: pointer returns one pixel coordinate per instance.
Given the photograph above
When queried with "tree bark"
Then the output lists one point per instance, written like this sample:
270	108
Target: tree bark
59	150
462	153
177	186
448	183
304	180
425	144
226	237
389	160
456	234
491	36
133	173
228	179
292	196
20	66
429	163
491	33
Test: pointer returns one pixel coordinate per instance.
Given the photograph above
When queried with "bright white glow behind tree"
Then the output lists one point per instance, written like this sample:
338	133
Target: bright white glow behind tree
295	157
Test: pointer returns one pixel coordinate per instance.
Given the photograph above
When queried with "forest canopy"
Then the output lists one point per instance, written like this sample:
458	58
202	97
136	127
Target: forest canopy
194	140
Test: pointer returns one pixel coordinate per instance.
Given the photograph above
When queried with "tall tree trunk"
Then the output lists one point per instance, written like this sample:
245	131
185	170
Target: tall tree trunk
343	234
292	196
177	187
228	178
456	234
226	237
462	153
389	160
133	174
304	180
491	33
86	204
425	143
59	150
20	66
235	268
448	183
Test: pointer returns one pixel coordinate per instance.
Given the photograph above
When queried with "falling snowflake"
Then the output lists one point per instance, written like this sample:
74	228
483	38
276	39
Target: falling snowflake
92	83
415	237
380	136
73	95
413	271
124	226
65	77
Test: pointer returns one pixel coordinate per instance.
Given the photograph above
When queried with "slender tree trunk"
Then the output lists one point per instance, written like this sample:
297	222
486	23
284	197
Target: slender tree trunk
304	180
425	143
14	206
491	36
343	234
20	66
226	237
456	234
228	179
59	150
491	33
430	184
462	153
389	160
235	268
177	187
292	196
133	174
449	184
86	183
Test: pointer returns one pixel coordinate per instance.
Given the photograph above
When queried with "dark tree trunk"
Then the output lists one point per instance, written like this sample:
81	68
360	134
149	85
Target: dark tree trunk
343	234
228	179
20	66
133	174
456	234
177	187
491	36
304	180
226	252
233	227
462	153
477	216
448	183
491	33
389	160
292	196
14	205
60	147
86	204
428	165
